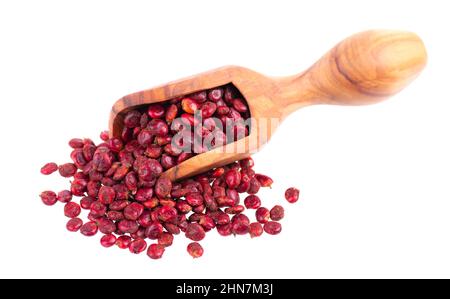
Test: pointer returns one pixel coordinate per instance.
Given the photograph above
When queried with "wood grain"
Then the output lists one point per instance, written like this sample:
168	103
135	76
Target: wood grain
363	69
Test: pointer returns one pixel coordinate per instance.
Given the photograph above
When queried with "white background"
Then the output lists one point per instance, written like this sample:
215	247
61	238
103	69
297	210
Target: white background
375	186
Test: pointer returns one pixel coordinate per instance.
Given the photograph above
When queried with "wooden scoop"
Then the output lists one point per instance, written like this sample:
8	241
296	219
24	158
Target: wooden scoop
363	69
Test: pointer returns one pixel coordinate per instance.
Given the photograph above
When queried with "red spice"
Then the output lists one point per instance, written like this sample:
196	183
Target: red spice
224	230
137	246
277	213
133	211
123	242
272	228
108	240
48	198
154	231
155	111
262	215
89	229
104	135
98	209
49	168
128	226
72	209
195	232
106	195
166	239
121	185
86	202
74	224
106	226
252	202
155	251
76	143
195	249
255	229
233	178
67	170
264	180
64	196
292	194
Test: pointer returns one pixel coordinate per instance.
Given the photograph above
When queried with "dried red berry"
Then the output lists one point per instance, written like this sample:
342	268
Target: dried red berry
166	239
76	143
108	240
240	224
145	138
131	182
155	251
208	109
199	96
89	229
224	230
132	119
255	229
277	213
167	213
262	215
77	157
264	180
78	187
74	224
72	209
115	215
194	199
233	178
133	211
235	209
272	228
154	231
144	194
171	113
106	226
49	168
252	202
255	185
149	170
195	249
218	172
173	228
247	163
127	195
292	194
137	246
207	222
239	105
195	232
67	170
86	202
64	196
104	135
158	127
155	111
48	198
215	94
163	187
106	195
128	226
123	242
189	105
223	218
98	209
102	159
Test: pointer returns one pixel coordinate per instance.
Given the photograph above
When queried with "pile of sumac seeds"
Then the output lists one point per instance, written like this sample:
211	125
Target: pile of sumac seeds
119	182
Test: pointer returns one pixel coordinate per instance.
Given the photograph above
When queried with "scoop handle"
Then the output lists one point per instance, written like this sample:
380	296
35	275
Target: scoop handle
363	69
